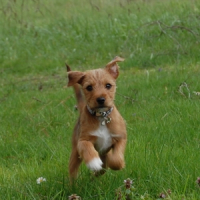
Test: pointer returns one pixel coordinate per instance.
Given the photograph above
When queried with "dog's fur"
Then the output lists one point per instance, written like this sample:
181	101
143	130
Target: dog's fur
96	140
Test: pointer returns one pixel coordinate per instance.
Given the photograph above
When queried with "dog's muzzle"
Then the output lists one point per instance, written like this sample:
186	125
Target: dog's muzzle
101	112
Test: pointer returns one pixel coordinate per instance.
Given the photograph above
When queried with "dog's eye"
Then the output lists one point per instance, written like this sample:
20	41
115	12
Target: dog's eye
108	86
89	88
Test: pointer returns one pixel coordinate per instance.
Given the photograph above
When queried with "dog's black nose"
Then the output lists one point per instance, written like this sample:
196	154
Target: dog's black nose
101	100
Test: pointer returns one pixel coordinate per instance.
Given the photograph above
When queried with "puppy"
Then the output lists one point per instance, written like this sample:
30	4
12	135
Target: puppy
99	137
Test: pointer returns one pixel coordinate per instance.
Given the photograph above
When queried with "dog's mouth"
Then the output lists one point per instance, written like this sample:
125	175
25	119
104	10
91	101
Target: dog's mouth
102	109
99	111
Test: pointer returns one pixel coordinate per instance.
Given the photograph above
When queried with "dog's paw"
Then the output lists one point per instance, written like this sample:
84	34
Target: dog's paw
95	164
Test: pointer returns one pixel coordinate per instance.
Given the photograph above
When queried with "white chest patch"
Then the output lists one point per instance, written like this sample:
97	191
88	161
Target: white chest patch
104	138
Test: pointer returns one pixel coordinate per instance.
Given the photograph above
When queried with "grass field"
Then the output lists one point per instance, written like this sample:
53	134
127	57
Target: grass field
157	95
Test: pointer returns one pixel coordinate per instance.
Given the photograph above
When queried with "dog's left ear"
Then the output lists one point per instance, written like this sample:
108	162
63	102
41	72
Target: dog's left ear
113	68
75	77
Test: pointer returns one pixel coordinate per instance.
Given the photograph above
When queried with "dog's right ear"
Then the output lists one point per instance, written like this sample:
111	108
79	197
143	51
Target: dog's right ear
75	77
113	68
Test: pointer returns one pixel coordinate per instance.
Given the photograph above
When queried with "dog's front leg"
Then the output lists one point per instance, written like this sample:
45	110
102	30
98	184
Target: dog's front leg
115	157
89	155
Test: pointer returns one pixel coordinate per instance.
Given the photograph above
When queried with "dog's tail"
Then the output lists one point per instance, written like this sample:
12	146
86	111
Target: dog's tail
78	92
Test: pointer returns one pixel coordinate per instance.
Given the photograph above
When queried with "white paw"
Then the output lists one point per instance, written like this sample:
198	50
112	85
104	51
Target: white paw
95	164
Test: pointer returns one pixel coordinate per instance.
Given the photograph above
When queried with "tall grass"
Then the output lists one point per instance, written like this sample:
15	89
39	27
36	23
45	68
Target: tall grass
157	95
148	34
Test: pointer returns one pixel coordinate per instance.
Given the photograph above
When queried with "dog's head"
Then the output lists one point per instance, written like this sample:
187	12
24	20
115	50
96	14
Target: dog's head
98	85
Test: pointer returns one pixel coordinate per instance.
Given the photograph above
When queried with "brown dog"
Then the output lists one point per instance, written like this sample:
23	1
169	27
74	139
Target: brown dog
99	137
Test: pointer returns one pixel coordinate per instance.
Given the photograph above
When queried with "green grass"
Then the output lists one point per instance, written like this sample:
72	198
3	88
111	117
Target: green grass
160	42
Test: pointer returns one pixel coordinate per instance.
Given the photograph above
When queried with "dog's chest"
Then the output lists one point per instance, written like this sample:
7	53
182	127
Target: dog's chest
104	138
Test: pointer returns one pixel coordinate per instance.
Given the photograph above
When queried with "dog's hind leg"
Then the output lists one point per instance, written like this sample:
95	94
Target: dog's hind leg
74	164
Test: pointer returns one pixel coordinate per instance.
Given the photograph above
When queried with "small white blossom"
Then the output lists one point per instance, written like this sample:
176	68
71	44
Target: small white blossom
40	180
197	93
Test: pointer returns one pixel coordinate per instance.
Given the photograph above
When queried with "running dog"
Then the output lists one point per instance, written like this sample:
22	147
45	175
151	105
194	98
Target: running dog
99	136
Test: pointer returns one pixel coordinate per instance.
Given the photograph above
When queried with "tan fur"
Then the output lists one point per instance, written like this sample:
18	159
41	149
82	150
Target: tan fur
88	131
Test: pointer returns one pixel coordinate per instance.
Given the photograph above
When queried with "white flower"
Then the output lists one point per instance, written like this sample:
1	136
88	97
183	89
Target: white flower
40	180
197	93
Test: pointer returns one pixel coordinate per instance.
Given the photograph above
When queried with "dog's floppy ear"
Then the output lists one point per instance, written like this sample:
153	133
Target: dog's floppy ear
75	77
113	68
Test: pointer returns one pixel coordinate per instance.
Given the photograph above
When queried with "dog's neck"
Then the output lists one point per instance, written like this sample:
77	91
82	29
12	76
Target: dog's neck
102	114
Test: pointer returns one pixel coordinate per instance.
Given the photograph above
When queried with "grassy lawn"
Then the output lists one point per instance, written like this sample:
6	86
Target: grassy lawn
157	95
